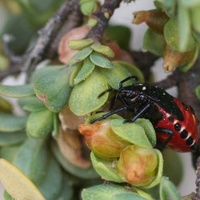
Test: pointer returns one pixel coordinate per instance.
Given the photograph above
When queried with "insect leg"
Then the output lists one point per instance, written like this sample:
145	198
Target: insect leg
112	112
169	132
139	114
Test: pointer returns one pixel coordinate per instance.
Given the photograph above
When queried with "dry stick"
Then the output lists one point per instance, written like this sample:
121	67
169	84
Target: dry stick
68	7
38	52
144	61
75	19
103	16
197	194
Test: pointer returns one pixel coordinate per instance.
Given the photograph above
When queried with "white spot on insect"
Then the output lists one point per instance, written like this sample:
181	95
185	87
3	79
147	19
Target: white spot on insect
193	143
164	93
182	128
144	88
189	134
175	121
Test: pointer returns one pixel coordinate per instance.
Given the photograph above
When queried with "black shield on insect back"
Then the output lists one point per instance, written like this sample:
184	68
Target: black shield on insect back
136	95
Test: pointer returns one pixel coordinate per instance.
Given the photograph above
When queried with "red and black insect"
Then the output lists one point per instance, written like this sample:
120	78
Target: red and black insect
175	123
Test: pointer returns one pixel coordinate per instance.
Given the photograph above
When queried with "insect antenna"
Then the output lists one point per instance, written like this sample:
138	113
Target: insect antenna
104	92
127	79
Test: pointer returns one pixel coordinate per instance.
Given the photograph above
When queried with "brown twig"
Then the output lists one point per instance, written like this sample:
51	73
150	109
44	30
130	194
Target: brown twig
103	16
196	196
46	35
38	53
47	42
144	60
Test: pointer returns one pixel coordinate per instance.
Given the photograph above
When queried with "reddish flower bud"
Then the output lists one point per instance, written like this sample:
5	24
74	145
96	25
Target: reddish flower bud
102	140
64	51
138	166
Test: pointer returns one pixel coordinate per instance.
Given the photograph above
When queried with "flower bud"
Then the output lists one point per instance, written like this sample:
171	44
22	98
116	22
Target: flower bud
102	140
155	19
69	120
64	51
174	59
138	166
71	147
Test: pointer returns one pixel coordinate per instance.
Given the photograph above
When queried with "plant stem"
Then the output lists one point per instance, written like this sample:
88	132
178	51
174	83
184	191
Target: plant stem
38	53
103	16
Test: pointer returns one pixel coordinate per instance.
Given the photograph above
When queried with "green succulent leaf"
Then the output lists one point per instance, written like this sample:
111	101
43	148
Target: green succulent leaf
12	138
167	189
144	194
131	132
121	71
190	4
150	45
9	152
121	34
18	91
11	123
105	168
6	196
197	91
105	50
89	173
172	160
67	190
33	9
195	16
184	29
31	104
135	71
196	36
116	75
5	106
88	7
149	129
108	192
51	185
173	36
159	174
23	188
16	24
53	88
170	7
32	159
85	70
80	44
40	124
127	196
84	96
100	60
92	22
48	70
81	55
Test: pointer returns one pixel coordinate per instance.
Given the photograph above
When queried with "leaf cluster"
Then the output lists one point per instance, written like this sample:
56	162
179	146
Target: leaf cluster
31	142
